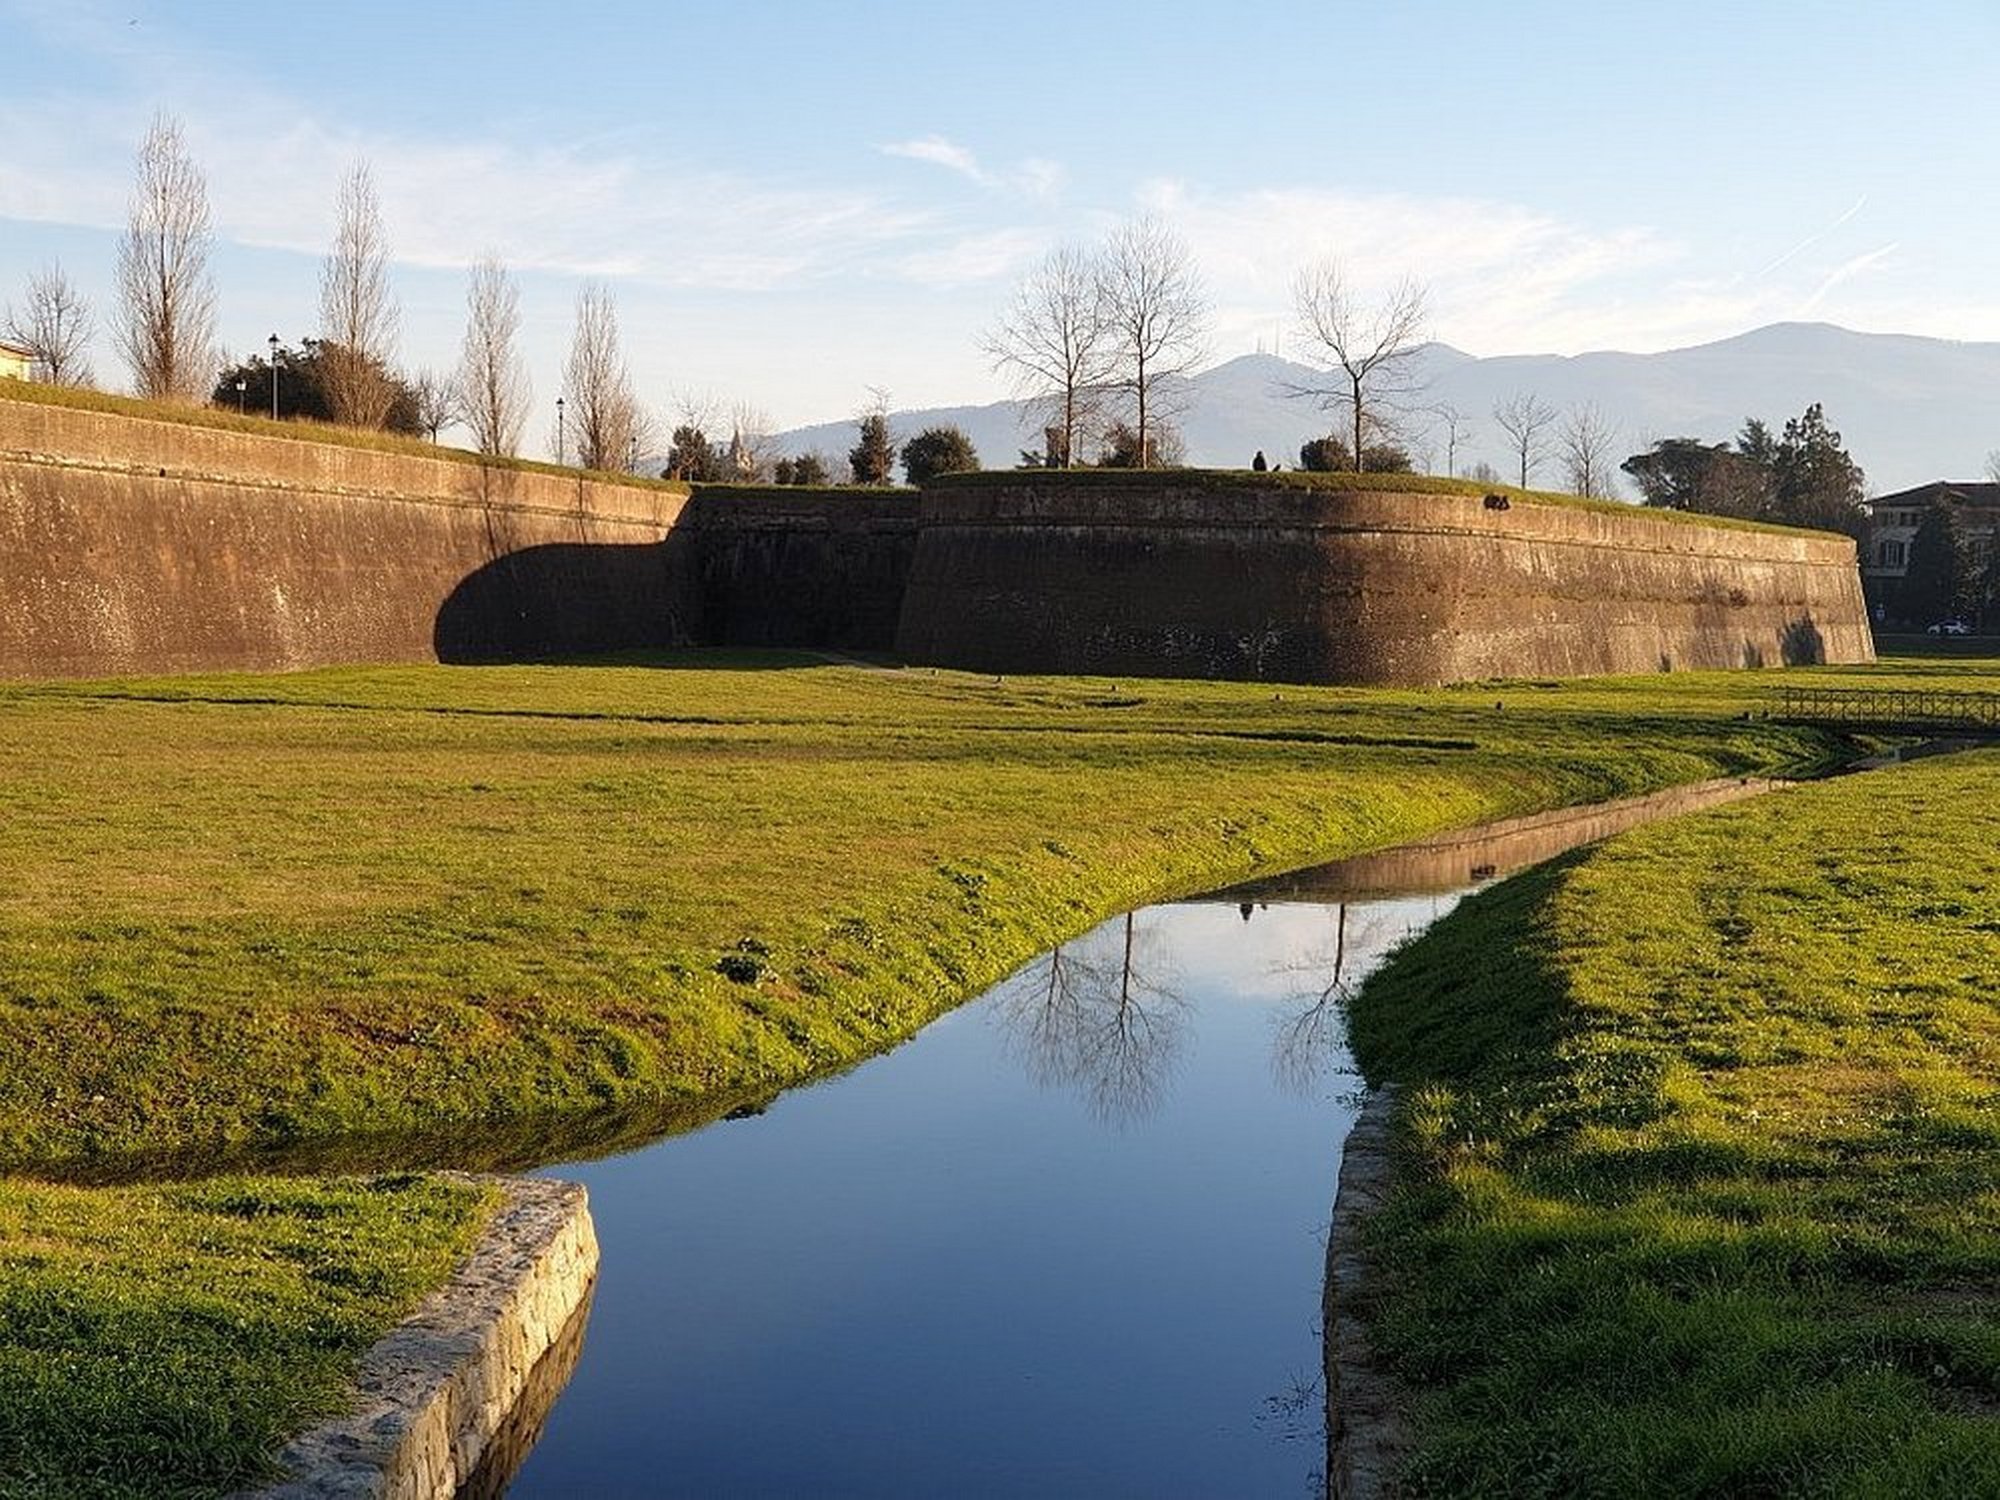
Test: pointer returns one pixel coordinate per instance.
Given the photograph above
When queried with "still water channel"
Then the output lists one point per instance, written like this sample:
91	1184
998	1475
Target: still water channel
1067	1241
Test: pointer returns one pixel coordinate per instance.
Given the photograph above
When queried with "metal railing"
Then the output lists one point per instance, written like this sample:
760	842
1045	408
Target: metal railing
1891	708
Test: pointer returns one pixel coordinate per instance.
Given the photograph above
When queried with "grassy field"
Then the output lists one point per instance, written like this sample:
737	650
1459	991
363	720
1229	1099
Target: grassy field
1700	1174
279	909
165	1340
311	911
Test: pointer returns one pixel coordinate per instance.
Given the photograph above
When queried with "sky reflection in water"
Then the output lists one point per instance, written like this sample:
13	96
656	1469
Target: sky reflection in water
1067	1241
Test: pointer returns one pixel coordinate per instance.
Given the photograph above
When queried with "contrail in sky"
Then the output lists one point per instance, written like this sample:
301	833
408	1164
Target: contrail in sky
1813	239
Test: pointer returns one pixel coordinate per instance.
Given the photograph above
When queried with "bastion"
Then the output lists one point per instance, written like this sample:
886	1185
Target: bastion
132	543
1382	579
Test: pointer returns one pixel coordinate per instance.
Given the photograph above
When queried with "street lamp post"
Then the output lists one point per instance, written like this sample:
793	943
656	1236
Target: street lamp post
274	377
239	395
632	461
560	456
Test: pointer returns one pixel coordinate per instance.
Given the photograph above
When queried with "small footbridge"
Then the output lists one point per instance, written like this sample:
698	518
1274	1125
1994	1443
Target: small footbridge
1914	709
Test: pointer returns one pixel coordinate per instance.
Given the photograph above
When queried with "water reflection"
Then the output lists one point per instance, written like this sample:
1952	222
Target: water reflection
1310	1039
1069	1240
1309	1034
1101	1017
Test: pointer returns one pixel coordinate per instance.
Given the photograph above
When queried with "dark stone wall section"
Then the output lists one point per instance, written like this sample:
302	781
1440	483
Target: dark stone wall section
801	567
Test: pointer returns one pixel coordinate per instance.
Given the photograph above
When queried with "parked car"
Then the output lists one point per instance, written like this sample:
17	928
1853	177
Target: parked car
1951	627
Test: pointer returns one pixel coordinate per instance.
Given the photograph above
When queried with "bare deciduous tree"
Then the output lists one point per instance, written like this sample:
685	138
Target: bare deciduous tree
493	390
436	401
1454	427
603	412
1585	444
1157	314
1525	419
54	327
703	409
357	315
1369	349
1055	341
753	450
166	313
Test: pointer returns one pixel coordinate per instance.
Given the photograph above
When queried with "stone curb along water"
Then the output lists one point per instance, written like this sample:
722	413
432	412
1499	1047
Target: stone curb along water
434	1393
1367	1422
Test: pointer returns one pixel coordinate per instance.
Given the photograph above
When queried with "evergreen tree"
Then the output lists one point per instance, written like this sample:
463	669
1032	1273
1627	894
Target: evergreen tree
304	392
1684	473
694	459
938	450
1814	482
1331	455
1941	582
1325	455
807	469
1755	443
873	458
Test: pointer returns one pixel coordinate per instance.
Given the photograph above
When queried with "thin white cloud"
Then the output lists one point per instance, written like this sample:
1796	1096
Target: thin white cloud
940	152
1499	274
1039	177
974	258
1033	177
566	209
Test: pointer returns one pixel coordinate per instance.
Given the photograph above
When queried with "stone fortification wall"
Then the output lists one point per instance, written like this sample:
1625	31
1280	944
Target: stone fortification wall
1282	580
802	567
132	545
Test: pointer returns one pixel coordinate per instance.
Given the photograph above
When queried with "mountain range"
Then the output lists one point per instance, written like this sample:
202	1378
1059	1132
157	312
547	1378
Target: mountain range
1909	409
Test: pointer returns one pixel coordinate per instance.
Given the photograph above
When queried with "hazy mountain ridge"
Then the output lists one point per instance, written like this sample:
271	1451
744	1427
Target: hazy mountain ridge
1910	409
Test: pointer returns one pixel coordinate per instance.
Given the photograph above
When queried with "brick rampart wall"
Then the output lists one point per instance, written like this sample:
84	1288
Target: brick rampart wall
1281	582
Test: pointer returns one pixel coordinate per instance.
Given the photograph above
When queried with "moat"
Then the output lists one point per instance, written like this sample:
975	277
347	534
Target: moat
1067	1241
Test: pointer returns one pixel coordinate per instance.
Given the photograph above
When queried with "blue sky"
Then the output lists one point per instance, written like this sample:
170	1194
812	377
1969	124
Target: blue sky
796	202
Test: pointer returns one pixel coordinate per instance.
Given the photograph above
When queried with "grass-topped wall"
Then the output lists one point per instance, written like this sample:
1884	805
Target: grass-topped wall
1356	578
1114	480
218	419
146	537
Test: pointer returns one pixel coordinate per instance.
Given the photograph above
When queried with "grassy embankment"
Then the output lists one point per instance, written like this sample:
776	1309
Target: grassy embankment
288	908
306	907
1700	1156
165	1340
80	398
1338	481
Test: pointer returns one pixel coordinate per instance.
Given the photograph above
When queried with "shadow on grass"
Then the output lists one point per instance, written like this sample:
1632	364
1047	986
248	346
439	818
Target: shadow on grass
513	1144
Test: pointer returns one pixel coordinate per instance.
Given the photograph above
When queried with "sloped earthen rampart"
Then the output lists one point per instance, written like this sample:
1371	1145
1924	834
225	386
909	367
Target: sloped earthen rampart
1230	576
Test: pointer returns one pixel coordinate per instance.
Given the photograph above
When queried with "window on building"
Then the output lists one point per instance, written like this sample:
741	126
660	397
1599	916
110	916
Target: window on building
1890	555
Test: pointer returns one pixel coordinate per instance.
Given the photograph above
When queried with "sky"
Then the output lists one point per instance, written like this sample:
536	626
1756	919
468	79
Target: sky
797	203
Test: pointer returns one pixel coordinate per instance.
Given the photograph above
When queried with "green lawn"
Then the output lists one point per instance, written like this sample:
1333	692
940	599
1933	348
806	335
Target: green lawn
282	909
429	916
165	1340
1699	1180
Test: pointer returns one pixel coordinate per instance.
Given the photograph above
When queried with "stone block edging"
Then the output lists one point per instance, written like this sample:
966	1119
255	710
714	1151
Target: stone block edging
1367	1411
432	1394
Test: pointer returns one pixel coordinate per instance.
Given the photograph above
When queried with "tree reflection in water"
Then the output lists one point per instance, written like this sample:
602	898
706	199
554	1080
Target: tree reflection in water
1310	1039
1101	1016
